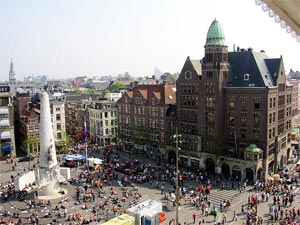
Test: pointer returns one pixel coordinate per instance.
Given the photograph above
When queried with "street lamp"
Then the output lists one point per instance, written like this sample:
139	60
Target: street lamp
177	141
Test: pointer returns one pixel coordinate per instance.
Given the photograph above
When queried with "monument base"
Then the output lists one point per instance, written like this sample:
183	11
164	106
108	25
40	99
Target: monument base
50	189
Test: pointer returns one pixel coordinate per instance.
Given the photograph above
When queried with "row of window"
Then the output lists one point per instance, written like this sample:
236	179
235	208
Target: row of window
100	115
140	110
188	89
152	136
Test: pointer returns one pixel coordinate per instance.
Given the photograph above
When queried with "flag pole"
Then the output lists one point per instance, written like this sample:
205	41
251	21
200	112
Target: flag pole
85	141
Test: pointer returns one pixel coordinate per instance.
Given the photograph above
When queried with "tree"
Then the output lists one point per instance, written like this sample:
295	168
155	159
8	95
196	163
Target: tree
76	90
141	134
217	146
171	77
32	146
116	86
105	92
90	90
65	144
127	76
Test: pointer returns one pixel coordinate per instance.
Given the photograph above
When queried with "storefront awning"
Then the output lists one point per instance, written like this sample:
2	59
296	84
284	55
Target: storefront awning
285	12
6	148
3	111
4	123
5	135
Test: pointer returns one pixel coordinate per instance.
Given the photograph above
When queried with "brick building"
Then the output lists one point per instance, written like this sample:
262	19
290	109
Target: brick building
142	118
234	111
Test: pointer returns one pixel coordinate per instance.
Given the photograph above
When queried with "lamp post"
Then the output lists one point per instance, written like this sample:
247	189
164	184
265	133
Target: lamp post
177	141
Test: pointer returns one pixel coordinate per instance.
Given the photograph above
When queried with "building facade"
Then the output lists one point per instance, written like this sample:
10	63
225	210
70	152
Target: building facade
142	118
102	120
234	111
7	135
58	120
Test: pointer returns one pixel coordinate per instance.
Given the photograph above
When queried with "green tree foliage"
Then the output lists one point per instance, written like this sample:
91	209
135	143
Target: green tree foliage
76	90
217	146
170	76
105	92
116	86
141	135
127	76
90	90
31	144
65	144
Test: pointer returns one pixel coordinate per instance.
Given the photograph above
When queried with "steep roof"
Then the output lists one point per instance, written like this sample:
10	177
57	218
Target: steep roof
165	93
197	66
250	69
273	66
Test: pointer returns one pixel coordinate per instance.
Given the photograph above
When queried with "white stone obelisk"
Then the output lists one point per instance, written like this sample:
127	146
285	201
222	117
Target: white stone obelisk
49	168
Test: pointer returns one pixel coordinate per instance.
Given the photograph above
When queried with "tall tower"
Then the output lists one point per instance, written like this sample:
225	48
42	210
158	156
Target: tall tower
12	78
215	73
49	171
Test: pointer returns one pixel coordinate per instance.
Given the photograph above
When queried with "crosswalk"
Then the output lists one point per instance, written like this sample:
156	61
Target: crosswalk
217	195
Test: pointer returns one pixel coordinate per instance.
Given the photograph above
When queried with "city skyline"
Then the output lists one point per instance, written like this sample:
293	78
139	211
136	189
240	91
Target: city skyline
96	38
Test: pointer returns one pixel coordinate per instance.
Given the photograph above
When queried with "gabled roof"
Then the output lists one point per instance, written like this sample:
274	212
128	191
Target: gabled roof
250	69
157	95
143	93
163	92
197	66
274	66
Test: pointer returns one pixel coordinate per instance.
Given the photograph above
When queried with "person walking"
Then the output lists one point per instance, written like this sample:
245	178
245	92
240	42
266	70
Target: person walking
234	218
194	217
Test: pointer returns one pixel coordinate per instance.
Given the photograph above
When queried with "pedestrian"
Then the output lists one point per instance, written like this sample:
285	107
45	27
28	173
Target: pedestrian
194	217
234	218
162	189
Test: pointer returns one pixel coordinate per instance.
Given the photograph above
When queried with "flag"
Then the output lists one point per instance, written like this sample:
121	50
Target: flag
84	130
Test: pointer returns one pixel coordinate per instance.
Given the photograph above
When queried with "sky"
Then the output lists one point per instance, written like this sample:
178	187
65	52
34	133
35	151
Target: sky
69	38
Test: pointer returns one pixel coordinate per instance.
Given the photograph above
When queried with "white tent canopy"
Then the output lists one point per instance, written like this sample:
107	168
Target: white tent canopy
4	123
3	111
5	135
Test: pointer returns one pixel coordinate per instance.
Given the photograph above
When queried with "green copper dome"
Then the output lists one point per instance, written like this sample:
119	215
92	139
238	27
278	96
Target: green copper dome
215	35
253	148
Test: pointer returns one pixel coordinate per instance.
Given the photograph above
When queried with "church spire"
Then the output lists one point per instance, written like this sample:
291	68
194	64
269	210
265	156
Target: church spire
12	79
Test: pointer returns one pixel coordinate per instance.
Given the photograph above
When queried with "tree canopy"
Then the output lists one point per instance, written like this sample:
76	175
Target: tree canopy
116	86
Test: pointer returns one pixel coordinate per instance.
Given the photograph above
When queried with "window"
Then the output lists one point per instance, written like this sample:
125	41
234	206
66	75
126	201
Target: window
162	124
231	104
57	117
105	114
162	112
209	74
246	76
188	75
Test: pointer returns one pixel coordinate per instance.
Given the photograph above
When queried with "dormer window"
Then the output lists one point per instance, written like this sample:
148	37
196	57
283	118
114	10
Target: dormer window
246	76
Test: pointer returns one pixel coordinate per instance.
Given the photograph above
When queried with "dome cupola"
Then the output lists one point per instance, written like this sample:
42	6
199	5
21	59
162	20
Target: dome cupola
215	35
